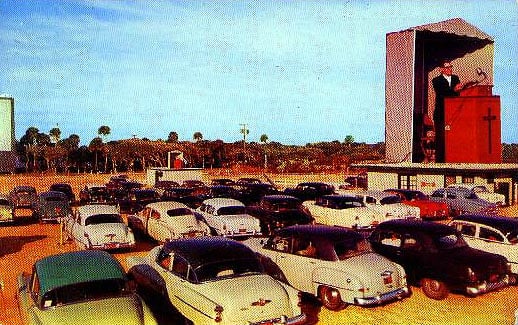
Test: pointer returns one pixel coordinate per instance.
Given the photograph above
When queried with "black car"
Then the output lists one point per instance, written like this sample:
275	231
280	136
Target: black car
436	257
95	193
185	195
24	197
137	199
66	189
252	193
310	190
279	211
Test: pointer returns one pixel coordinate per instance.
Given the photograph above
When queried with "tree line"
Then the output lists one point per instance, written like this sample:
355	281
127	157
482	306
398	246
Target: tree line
40	152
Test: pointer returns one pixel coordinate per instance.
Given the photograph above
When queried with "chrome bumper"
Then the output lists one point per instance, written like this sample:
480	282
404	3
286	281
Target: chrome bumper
488	286
384	298
284	320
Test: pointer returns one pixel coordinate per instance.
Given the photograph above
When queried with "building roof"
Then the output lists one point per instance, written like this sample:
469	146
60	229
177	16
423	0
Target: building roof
456	26
441	167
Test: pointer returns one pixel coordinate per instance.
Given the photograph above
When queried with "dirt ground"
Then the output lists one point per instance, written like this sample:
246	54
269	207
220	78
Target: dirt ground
25	242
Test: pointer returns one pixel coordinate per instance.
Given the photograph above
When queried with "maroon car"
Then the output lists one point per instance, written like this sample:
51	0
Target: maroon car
430	210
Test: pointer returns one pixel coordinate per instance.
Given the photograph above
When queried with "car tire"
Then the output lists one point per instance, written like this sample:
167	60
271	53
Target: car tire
330	298
434	289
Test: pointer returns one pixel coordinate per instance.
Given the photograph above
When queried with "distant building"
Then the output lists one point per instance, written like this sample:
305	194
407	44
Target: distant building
7	139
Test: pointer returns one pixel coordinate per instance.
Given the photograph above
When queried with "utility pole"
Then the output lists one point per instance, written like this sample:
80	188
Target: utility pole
245	131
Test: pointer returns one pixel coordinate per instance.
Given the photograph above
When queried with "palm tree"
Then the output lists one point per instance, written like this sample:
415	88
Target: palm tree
349	140
263	138
197	136
95	145
173	137
55	134
104	131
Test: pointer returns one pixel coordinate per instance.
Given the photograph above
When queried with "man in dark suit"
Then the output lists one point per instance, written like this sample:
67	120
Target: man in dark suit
445	85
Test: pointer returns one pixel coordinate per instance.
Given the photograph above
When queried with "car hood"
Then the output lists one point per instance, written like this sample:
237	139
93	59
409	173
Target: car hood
126	310
265	298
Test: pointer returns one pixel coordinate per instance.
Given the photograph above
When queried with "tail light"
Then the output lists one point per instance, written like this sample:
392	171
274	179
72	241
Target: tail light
219	314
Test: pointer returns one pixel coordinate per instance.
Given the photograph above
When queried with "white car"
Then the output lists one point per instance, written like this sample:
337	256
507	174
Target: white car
482	192
167	220
388	204
228	217
97	226
333	263
216	280
343	210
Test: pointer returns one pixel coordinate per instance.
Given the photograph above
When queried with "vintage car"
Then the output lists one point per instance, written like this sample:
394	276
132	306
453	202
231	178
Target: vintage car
222	181
161	186
136	199
228	217
310	190
167	220
23	197
343	210
436	257
248	180
52	206
429	210
98	226
95	193
481	192
494	234
215	280
185	195
252	193
6	209
389	205
82	287
279	211
334	263
65	188
462	201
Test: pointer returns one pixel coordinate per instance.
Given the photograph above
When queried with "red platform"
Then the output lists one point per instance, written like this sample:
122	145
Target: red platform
473	127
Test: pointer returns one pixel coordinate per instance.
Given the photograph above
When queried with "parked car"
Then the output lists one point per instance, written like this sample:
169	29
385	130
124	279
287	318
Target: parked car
429	209
82	287
333	263
310	190
214	280
389	205
6	209
136	199
436	257
228	217
161	186
23	197
357	181
183	195
52	206
98	226
481	192
222	181
252	193
494	234
95	193
248	180
279	211
463	201
224	191
168	220
66	189
343	210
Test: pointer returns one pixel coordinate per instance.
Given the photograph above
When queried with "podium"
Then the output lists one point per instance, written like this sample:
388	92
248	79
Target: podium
472	132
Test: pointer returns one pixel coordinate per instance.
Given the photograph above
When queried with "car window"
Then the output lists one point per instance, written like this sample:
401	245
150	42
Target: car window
180	267
390	238
103	218
390	200
411	243
348	248
370	200
466	229
155	214
489	234
449	241
227	268
231	210
438	193
77	292
179	212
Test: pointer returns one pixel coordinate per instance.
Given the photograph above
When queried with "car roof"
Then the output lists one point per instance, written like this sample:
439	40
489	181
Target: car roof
24	188
203	250
328	233
222	202
166	205
75	267
338	197
504	224
280	197
91	209
429	227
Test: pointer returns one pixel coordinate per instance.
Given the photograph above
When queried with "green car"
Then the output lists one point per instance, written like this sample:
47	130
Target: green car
83	287
6	209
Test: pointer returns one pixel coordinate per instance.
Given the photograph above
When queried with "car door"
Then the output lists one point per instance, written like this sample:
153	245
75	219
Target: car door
296	267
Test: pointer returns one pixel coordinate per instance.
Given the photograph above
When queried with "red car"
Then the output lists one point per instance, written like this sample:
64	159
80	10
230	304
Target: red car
429	209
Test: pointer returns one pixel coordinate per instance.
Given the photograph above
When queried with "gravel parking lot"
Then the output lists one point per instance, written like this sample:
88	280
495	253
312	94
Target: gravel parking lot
25	242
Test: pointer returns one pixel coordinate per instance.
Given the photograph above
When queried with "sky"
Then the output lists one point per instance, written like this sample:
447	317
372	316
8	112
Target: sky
299	71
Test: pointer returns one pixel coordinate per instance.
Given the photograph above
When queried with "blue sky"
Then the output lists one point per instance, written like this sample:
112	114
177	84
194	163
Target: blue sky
298	71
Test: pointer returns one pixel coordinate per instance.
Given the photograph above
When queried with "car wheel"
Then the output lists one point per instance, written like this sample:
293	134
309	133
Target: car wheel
330	298
434	289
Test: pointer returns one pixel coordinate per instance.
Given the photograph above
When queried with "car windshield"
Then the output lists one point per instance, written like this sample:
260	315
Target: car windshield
225	269
348	203
512	237
231	210
103	218
78	292
283	205
179	212
390	200
352	247
450	241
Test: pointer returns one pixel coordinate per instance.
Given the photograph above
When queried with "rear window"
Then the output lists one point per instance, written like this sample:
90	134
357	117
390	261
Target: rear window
179	212
231	210
103	218
390	200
